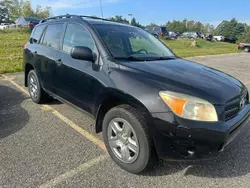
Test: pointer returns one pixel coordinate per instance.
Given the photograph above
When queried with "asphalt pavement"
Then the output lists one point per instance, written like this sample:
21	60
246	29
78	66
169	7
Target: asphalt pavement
55	145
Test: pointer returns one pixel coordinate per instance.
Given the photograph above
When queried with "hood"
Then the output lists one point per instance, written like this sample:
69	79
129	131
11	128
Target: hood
188	77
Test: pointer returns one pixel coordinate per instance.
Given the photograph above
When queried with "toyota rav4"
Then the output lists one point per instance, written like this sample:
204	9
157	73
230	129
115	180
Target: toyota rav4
146	101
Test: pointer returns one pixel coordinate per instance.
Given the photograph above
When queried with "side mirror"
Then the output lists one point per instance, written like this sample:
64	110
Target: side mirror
82	53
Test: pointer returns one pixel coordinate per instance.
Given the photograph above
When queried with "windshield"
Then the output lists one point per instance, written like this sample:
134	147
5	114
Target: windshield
126	42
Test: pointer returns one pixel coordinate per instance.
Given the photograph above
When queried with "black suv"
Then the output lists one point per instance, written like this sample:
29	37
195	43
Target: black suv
147	102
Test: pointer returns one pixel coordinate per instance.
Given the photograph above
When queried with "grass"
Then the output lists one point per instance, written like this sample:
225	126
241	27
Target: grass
11	49
12	42
183	48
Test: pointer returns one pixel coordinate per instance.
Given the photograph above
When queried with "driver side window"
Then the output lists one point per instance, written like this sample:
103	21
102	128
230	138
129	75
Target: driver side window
77	35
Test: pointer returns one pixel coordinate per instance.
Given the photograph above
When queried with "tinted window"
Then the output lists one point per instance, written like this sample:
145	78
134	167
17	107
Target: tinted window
52	35
37	32
164	29
77	35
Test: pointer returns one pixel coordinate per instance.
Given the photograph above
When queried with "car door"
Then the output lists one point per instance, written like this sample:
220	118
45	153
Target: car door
75	80
47	54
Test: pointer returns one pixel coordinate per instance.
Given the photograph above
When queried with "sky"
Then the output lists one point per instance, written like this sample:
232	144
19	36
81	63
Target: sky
155	11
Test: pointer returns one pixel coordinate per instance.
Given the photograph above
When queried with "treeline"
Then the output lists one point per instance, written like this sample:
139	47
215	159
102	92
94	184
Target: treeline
10	10
232	30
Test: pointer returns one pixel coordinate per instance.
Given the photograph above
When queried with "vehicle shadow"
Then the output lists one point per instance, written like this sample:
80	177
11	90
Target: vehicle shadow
13	117
233	162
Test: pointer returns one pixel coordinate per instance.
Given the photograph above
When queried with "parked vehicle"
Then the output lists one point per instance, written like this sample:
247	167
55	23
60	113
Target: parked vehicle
244	46
147	102
219	38
191	35
173	35
4	26
209	37
27	22
158	31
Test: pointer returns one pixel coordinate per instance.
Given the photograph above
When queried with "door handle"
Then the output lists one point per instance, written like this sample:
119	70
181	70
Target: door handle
59	62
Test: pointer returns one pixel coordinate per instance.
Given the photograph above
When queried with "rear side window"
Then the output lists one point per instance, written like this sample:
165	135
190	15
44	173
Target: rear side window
37	33
52	35
77	35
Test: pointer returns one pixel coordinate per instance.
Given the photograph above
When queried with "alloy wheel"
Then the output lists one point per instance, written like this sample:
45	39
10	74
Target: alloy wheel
123	140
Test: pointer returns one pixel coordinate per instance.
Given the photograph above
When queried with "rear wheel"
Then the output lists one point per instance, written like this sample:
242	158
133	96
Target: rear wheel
247	49
37	94
127	139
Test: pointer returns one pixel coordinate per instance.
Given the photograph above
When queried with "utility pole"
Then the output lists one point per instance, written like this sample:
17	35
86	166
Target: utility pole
130	15
101	8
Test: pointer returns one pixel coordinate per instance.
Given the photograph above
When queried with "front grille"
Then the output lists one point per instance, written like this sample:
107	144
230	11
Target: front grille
233	106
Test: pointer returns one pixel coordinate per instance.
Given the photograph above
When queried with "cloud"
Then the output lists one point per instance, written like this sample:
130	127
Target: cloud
71	4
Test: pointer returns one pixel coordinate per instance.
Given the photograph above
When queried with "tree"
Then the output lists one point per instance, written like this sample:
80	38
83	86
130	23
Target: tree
176	26
119	19
245	37
189	25
3	14
135	23
18	8
151	25
208	28
27	9
230	29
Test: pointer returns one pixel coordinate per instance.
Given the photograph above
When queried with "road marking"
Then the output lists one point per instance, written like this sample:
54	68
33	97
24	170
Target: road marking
80	130
76	127
15	84
247	82
73	172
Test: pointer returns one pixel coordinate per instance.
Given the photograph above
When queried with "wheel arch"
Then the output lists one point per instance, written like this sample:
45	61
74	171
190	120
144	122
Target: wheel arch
114	98
28	67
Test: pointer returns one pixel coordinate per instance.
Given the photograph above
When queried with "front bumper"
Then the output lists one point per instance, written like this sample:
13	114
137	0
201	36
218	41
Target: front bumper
180	139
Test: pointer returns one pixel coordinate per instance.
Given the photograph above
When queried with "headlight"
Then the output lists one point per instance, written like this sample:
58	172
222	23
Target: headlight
189	107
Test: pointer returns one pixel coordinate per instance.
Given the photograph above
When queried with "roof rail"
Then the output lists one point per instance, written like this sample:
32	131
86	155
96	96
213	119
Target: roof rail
60	17
72	16
93	17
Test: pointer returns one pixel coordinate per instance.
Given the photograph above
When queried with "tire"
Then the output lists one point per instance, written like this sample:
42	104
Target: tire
146	156
247	49
39	96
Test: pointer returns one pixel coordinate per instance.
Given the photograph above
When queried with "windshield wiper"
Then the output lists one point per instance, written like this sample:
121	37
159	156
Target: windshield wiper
133	58
146	58
166	57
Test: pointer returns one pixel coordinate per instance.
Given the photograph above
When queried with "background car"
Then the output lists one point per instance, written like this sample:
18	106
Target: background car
219	38
158	31
209	37
27	22
173	35
191	35
4	25
244	46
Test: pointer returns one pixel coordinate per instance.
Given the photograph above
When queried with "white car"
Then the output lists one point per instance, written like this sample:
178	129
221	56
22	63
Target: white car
219	38
4	25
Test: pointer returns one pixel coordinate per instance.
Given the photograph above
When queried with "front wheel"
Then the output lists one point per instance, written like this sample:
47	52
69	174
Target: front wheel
127	139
